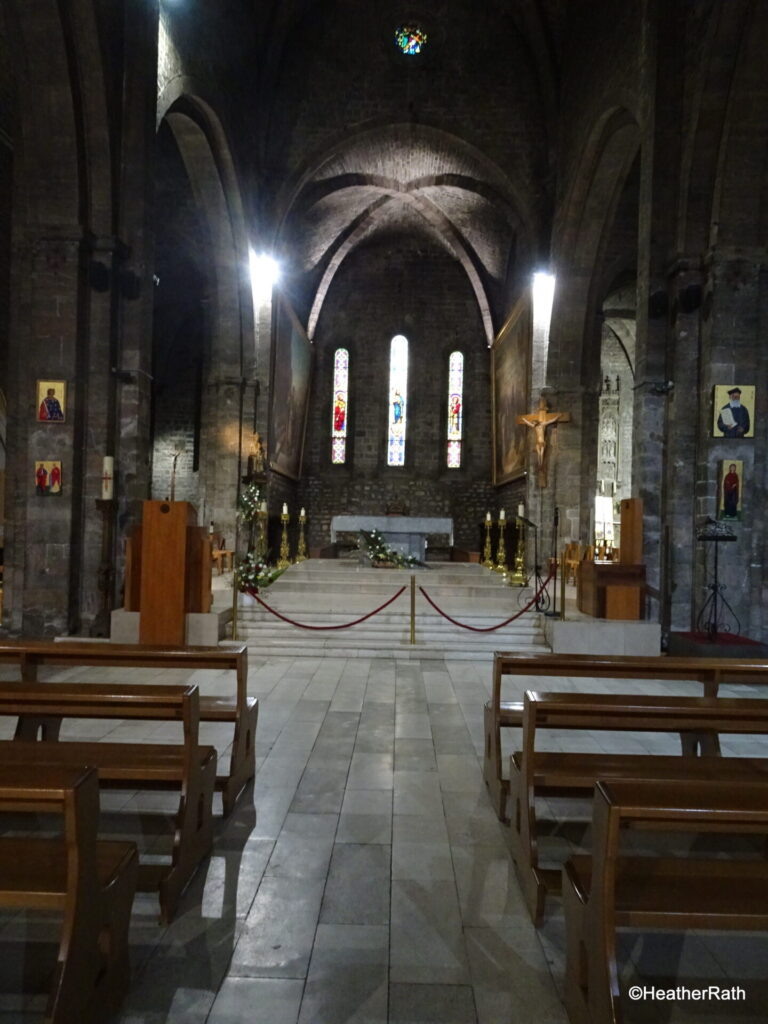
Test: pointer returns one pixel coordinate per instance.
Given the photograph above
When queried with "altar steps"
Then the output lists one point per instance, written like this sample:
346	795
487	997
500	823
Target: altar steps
331	592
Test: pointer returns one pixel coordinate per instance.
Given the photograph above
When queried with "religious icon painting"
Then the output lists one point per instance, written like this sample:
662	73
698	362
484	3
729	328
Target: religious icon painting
47	478
51	401
734	411
730	488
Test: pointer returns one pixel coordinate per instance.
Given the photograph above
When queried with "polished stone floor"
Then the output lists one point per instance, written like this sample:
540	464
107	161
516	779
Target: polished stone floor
365	879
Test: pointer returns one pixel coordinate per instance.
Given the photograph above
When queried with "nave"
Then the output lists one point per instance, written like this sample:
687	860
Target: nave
369	881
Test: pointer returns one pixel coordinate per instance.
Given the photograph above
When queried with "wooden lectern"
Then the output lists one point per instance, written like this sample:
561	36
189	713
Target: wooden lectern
614	590
168	571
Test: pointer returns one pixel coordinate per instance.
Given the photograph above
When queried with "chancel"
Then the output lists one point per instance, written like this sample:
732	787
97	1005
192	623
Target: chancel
486	282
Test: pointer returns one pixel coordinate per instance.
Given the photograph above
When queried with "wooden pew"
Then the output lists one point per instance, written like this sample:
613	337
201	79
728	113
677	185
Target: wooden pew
91	882
608	890
241	710
185	766
535	773
498	714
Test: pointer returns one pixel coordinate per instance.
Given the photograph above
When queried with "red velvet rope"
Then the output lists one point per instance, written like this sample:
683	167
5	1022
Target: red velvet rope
343	625
489	629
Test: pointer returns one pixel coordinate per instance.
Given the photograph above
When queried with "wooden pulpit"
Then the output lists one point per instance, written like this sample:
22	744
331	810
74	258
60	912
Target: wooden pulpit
168	571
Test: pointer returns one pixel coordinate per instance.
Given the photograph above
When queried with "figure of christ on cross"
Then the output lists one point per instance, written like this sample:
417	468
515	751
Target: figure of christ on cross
539	421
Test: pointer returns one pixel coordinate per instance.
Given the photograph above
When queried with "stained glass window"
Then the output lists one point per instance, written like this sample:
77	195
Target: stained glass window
340	407
455	408
411	38
398	391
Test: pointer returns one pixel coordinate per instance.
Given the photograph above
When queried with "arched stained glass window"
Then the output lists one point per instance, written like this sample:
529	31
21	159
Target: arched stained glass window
340	407
455	409
398	391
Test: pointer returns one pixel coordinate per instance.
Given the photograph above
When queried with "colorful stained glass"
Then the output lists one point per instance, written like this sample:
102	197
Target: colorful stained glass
340	407
411	38
398	390
455	408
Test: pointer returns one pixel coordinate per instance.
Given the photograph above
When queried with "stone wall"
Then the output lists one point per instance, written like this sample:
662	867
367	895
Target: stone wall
396	286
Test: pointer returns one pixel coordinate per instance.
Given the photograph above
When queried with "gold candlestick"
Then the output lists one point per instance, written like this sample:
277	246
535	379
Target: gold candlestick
501	551
301	551
261	541
517	576
487	556
284	560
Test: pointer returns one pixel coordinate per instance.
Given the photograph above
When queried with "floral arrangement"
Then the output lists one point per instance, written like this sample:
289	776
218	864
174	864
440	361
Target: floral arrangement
380	554
252	573
248	503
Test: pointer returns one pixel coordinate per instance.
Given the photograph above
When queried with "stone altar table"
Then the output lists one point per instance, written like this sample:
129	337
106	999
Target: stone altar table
405	534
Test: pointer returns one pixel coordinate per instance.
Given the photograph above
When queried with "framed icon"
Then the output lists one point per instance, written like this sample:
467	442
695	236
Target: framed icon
730	489
734	411
47	478
51	401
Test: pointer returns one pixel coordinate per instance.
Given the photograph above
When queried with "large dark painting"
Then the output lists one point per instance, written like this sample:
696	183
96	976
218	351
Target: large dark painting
510	371
291	379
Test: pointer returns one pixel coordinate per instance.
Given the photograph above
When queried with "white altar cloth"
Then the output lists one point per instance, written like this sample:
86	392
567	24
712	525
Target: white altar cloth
405	534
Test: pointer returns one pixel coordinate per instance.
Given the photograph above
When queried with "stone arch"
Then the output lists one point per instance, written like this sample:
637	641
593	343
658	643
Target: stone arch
210	297
585	273
356	163
62	209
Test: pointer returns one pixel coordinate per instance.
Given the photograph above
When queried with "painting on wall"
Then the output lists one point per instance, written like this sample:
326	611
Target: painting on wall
730	489
51	401
47	478
510	371
291	380
734	411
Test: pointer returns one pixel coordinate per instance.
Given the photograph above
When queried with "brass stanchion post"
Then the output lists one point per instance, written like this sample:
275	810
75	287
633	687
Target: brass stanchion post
413	609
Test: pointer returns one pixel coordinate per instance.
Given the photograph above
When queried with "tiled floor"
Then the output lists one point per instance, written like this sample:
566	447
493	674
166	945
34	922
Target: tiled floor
366	880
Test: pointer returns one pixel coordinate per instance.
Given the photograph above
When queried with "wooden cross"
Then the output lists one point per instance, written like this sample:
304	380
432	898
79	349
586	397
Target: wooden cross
539	421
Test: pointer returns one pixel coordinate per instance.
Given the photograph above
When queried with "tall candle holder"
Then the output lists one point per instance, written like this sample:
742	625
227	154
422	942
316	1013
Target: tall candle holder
301	551
261	540
487	555
517	577
284	560
501	550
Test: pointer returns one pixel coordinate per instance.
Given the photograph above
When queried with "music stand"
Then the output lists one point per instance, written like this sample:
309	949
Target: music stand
710	620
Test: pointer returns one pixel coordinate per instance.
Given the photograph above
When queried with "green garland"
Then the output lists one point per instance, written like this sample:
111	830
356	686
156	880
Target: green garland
252	574
378	552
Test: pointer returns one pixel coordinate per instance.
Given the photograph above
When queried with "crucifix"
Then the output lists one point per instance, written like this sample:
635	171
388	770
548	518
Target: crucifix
539	421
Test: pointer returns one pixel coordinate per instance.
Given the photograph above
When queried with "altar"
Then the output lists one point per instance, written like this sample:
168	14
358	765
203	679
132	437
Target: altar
404	534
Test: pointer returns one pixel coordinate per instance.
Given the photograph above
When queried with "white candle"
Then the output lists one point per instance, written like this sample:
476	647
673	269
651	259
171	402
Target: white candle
502	516
107	478
521	510
263	507
302	514
285	508
487	517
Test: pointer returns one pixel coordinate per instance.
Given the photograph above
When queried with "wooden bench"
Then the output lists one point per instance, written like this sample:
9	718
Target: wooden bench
498	714
91	882
609	890
185	766
241	710
540	773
